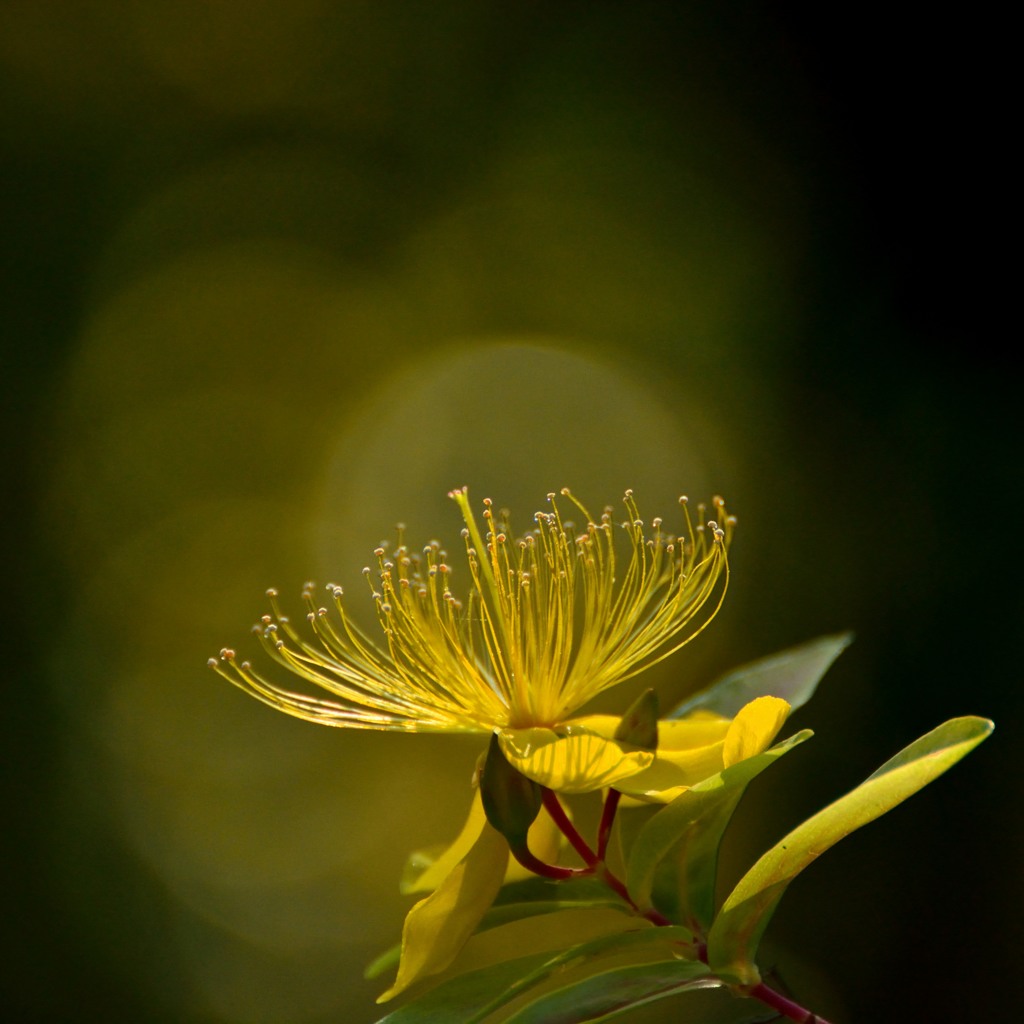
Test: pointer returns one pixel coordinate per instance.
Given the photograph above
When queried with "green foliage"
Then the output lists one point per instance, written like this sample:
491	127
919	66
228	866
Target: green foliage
685	836
792	674
737	930
622	988
681	942
464	998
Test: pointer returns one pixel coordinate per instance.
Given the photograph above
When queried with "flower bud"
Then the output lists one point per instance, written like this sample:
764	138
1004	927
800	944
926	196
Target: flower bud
511	800
639	725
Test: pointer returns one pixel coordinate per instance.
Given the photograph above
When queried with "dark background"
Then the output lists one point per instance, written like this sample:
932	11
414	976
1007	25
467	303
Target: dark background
849	367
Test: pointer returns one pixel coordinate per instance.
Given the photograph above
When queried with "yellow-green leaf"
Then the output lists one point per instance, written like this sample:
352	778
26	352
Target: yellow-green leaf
683	839
602	995
734	937
674	941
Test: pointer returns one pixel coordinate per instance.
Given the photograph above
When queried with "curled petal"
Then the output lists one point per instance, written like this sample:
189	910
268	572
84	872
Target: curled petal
754	728
427	869
577	762
694	748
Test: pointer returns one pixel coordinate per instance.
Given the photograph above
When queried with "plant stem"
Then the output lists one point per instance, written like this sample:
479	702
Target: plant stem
785	1006
568	829
596	866
538	867
604	832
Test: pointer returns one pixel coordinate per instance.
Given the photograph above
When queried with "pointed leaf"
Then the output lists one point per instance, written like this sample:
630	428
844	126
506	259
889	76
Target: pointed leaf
792	674
601	995
690	831
458	998
472	997
671	939
536	896
734	937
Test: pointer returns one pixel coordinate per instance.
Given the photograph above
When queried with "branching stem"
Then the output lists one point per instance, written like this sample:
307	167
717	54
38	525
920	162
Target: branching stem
785	1006
596	866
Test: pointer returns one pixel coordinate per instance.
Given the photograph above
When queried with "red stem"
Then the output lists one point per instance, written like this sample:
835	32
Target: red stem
604	832
784	1005
538	867
568	829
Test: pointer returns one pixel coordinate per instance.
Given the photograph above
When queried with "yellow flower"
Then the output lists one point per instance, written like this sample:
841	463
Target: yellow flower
551	620
695	747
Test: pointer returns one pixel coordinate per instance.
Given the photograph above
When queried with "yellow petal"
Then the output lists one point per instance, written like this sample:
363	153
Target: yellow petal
576	763
437	927
673	772
753	728
425	872
698	729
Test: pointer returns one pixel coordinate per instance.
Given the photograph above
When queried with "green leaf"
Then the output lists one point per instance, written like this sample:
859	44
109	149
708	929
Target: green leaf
604	995
384	962
792	674
734	937
580	954
458	998
690	829
578	890
472	997
534	896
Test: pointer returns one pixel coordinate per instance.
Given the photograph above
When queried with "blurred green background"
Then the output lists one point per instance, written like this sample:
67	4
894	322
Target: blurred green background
279	275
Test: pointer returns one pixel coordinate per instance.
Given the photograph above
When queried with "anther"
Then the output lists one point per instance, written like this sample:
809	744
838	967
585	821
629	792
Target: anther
227	654
211	662
271	592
